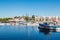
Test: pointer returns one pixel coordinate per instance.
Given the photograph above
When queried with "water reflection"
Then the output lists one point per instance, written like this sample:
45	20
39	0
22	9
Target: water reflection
46	31
28	33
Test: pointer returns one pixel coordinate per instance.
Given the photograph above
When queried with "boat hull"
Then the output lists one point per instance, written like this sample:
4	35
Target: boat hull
46	28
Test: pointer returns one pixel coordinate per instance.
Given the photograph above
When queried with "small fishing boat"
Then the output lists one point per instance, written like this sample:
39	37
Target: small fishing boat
46	26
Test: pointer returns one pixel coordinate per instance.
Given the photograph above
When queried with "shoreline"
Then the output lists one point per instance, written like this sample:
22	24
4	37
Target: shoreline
26	24
17	24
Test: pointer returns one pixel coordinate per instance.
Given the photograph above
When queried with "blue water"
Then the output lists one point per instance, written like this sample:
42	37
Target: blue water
26	33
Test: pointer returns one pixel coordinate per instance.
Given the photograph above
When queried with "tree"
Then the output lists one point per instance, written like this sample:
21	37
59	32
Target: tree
33	17
4	20
27	19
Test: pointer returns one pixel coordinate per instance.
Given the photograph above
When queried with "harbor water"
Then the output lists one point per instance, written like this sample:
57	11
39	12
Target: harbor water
27	33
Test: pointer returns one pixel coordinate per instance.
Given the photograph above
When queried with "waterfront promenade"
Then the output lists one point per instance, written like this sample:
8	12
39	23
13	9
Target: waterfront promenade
17	24
29	24
30	21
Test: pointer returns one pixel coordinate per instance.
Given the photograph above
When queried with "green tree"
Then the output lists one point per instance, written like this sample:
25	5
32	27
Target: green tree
27	18
33	17
4	20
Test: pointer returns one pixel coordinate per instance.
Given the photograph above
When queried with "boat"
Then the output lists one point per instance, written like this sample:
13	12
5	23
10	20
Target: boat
23	23
46	26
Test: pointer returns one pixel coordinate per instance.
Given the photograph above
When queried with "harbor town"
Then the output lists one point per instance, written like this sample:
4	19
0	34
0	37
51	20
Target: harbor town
30	20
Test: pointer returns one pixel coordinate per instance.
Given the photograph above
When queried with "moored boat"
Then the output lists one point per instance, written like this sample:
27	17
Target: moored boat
46	26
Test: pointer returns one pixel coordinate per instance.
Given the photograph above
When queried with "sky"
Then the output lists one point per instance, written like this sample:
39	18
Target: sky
29	7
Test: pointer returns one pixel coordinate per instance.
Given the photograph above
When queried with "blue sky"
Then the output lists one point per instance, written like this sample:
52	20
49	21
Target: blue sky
29	7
